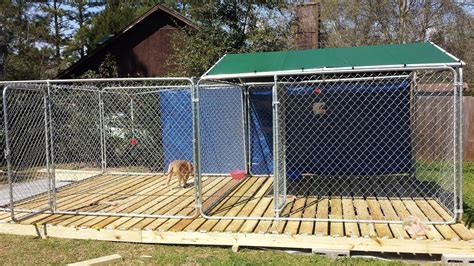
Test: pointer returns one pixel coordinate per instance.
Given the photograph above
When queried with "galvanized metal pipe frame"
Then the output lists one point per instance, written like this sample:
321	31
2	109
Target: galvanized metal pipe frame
49	148
457	141
196	144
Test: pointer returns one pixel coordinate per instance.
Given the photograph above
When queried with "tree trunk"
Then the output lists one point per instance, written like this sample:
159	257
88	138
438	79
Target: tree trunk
57	37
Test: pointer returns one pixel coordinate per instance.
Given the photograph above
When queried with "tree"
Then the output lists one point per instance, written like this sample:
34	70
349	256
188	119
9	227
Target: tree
228	27
368	22
27	54
115	17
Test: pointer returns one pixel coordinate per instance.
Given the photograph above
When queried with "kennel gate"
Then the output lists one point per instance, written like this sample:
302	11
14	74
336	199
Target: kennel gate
350	140
97	147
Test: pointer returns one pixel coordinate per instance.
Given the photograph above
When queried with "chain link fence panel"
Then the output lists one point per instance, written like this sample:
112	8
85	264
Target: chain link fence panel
111	142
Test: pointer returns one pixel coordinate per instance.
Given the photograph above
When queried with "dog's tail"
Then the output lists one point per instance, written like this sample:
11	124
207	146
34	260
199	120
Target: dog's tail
169	170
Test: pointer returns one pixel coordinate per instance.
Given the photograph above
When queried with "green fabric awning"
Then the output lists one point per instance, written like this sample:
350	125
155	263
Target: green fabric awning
235	65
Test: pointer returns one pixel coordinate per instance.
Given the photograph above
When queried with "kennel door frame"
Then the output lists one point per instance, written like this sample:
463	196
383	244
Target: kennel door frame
48	156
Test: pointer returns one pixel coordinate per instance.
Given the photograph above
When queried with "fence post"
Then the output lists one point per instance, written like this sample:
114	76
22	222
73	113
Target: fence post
47	133
276	175
102	133
460	136
196	145
246	129
51	138
7	152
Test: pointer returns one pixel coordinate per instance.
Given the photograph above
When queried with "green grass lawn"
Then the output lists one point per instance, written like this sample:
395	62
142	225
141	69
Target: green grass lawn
468	193
16	250
21	250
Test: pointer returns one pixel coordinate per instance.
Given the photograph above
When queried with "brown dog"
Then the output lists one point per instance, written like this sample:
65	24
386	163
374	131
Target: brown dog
182	169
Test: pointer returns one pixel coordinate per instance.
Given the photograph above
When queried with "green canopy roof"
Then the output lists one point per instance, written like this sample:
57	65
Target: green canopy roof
252	64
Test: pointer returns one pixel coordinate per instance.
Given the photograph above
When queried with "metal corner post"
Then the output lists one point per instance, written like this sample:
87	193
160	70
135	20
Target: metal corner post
47	146
51	143
460	135
7	152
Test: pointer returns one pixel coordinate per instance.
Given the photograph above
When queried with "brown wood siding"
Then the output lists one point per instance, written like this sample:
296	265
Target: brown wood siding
142	52
307	35
153	52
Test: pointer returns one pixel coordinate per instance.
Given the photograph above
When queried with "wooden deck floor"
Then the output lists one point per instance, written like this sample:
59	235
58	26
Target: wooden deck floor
224	197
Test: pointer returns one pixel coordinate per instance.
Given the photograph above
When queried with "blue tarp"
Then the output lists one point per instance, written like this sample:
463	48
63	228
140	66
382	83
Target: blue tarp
222	142
177	123
222	137
261	144
365	130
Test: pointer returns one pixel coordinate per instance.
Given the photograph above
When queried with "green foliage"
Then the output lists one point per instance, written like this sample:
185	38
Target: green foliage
81	13
468	193
445	22
115	17
107	69
26	34
228	27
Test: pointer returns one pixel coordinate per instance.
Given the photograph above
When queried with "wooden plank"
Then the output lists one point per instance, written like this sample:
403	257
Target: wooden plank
250	206
292	227
431	233
260	211
263	226
140	194
307	228
90	183
336	228
165	204
162	205
239	199
389	212
40	201
163	224
223	207
277	227
366	229
351	229
307	242
235	208
432	215
140	224
90	221
461	230
159	205
83	201
224	191
86	199
403	213
104	260
322	228
84	190
383	230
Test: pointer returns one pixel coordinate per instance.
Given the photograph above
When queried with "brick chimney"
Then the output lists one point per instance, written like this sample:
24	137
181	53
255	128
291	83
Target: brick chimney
308	19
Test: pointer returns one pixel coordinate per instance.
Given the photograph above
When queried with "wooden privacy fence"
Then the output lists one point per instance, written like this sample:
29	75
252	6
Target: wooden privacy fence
468	129
434	125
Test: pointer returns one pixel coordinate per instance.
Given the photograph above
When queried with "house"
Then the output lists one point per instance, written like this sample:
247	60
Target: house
141	49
